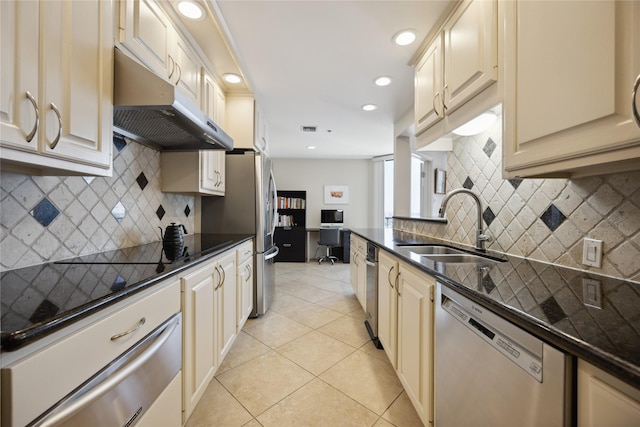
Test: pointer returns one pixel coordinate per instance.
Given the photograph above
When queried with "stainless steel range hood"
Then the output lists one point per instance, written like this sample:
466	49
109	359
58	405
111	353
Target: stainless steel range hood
152	111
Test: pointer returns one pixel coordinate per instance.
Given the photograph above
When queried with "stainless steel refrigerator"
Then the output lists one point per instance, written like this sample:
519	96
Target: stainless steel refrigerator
249	206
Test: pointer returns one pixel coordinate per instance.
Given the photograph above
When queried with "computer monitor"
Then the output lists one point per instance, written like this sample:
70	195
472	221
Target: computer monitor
330	218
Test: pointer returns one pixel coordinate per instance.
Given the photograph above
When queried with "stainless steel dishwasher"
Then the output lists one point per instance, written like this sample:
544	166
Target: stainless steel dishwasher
490	372
371	315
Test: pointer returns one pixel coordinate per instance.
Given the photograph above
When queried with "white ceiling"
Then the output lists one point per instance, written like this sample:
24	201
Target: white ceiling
313	63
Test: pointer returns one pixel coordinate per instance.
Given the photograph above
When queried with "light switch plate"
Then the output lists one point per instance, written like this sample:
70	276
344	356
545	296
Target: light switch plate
592	253
591	293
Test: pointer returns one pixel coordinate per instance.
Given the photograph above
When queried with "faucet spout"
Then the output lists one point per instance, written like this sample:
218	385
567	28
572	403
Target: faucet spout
480	236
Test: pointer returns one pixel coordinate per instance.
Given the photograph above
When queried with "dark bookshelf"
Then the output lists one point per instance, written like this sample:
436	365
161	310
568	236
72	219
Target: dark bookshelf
291	232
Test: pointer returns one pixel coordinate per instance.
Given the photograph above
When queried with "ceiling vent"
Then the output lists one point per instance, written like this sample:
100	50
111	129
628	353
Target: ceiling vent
311	129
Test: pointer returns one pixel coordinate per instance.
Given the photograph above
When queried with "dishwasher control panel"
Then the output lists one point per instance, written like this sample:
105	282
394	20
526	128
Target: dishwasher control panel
491	334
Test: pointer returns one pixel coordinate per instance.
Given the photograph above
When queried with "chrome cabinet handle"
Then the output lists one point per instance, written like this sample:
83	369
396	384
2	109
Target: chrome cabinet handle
444	98
218	179
179	73
130	331
389	275
634	96
35	125
397	286
172	67
224	276
219	279
55	141
248	268
435	107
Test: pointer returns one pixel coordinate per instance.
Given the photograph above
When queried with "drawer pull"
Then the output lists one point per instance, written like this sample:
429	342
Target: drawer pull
287	245
634	109
55	141
124	334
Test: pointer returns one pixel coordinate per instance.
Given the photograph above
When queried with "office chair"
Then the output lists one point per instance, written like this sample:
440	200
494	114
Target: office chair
329	237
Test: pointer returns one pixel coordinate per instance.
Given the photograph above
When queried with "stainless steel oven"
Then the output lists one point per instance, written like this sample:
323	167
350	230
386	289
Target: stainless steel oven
122	392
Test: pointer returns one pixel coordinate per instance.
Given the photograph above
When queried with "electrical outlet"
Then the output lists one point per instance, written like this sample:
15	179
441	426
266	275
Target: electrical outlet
592	253
591	293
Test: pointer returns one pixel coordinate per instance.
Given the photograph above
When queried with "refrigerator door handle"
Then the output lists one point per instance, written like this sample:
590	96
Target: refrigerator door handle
271	253
274	208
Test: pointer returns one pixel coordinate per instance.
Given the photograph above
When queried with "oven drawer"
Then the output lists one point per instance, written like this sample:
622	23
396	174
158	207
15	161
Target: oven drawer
69	362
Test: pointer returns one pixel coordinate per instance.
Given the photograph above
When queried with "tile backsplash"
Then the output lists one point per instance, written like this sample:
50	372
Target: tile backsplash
542	219
48	218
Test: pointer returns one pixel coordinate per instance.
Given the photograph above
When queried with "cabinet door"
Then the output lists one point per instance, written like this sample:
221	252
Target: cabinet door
470	51
198	337
19	68
604	400
211	179
76	109
244	292
187	69
353	268
415	339
429	107
225	303
388	305
147	33
567	99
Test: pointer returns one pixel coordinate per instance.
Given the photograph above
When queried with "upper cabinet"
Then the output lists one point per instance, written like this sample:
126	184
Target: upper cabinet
455	75
246	123
571	87
56	87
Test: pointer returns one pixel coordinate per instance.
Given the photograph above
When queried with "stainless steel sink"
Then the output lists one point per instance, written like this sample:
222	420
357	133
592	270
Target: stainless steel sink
463	258
441	253
433	250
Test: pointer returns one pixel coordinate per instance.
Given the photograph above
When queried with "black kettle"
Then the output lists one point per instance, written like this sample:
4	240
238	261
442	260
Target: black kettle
173	234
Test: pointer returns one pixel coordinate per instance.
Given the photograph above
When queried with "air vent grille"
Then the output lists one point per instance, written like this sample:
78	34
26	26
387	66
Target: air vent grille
310	129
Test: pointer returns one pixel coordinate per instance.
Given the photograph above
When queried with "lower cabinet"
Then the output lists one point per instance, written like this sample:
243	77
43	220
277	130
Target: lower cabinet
292	242
358	269
604	400
209	324
244	280
406	328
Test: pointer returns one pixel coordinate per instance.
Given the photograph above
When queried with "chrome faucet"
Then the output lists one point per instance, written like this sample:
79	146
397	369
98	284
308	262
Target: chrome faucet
480	236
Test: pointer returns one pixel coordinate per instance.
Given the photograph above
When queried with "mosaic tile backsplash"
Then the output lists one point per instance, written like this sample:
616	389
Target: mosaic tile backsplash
542	219
49	218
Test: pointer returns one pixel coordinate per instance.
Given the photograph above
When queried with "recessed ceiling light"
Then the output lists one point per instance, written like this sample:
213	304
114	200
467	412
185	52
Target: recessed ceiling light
404	37
369	107
383	81
232	78
311	147
191	9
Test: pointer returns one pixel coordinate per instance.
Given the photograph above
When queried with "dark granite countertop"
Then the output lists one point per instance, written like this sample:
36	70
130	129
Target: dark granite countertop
38	300
593	317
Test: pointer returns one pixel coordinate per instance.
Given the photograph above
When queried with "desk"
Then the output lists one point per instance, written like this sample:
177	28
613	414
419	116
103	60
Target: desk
342	252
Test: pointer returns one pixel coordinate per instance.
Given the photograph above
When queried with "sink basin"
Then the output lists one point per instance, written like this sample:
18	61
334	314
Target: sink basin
431	250
462	258
441	253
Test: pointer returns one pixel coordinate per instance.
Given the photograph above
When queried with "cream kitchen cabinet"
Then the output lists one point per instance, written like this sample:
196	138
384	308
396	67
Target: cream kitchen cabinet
358	269
458	66
200	361
148	33
244	288
388	304
406	328
604	400
225	304
197	172
569	93
209	319
245	123
56	87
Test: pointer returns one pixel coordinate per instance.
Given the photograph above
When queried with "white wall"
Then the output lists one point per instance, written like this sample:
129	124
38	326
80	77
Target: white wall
312	175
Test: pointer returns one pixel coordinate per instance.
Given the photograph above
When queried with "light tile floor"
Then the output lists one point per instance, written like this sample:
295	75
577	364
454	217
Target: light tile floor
307	362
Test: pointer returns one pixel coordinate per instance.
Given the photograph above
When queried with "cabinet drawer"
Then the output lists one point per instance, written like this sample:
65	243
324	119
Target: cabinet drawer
244	252
69	362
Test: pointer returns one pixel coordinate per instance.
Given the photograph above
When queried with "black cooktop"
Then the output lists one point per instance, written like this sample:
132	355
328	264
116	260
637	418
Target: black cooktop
40	299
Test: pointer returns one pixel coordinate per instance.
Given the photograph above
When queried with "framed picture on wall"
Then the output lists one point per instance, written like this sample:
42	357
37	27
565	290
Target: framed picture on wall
336	194
441	181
